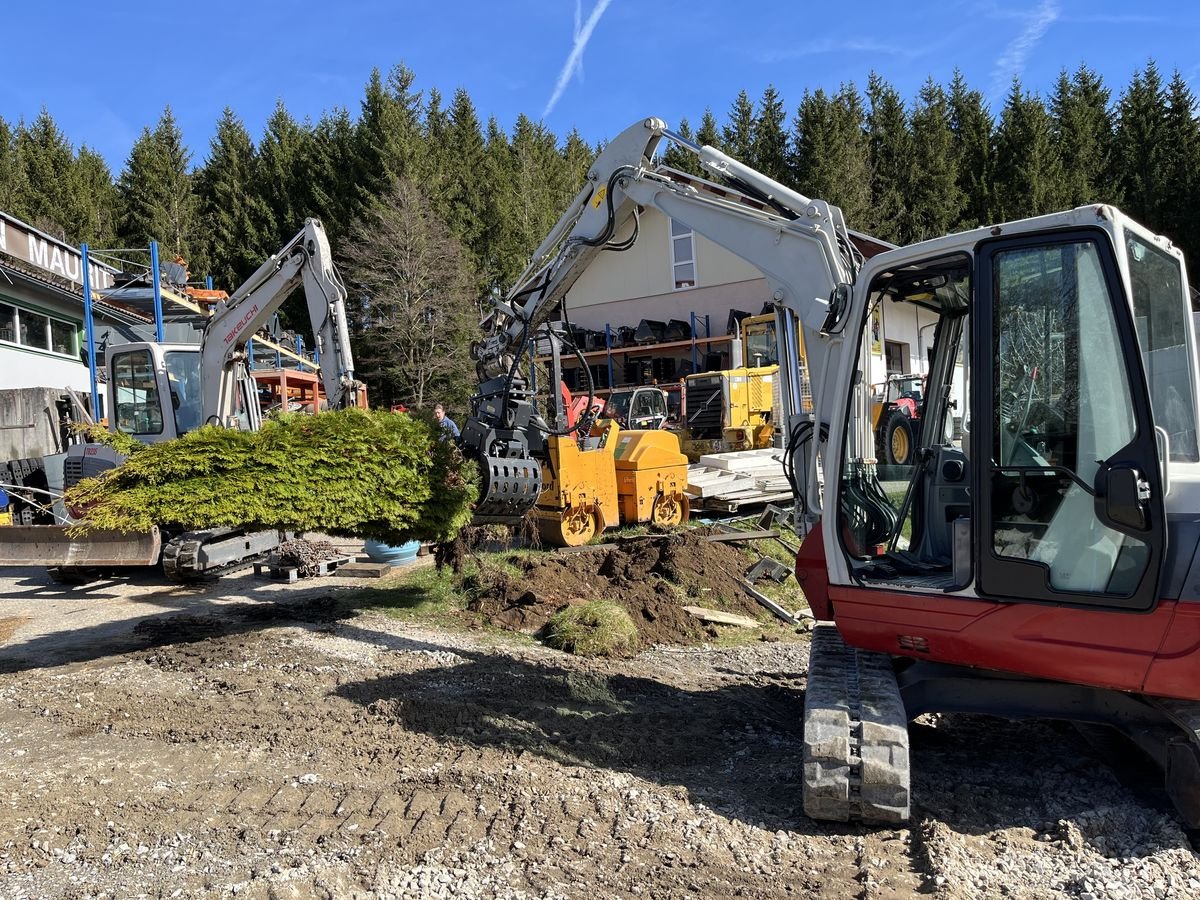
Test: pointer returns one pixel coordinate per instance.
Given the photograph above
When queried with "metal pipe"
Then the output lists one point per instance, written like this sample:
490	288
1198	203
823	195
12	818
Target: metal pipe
90	329
156	280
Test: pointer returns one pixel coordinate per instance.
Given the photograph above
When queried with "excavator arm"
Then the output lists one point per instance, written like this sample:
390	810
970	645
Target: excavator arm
801	245
305	259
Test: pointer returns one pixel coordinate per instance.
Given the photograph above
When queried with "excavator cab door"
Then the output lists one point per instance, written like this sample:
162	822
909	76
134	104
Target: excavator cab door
1070	505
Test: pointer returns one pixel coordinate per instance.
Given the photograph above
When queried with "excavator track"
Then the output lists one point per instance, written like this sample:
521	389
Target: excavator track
200	554
1182	763
856	764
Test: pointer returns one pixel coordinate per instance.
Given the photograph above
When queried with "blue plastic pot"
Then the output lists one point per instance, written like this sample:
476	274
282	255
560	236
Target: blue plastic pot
379	552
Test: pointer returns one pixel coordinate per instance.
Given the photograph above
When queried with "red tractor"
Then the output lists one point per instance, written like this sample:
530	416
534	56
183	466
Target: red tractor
896	414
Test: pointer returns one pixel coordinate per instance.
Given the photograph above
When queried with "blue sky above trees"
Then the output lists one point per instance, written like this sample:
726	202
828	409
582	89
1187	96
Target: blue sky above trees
595	65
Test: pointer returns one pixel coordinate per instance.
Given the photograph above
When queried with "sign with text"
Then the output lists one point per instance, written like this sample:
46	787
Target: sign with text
41	251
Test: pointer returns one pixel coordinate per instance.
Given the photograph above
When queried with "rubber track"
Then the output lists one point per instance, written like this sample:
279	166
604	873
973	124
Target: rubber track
856	765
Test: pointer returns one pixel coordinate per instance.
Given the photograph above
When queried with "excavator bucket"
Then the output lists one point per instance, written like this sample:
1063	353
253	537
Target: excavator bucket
50	545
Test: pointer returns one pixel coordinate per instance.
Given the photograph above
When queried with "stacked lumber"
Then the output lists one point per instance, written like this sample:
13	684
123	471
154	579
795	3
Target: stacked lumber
727	481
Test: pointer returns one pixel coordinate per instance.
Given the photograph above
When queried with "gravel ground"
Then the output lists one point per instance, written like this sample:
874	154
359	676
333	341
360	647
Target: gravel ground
262	740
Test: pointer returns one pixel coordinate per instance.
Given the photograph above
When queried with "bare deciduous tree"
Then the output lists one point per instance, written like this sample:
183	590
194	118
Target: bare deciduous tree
413	293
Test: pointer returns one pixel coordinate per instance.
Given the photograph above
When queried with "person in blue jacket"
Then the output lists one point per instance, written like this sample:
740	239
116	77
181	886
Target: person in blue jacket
449	428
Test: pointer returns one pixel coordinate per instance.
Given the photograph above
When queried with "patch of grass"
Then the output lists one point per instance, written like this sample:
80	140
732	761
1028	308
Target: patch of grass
598	628
422	593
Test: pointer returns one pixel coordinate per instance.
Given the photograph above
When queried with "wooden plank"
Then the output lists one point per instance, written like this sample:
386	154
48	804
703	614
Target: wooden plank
366	570
727	537
718	617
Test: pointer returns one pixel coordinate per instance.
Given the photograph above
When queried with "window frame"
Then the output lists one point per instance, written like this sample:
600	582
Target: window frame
19	311
676	239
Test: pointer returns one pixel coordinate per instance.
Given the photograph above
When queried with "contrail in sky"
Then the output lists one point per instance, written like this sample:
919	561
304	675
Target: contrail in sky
582	36
1012	60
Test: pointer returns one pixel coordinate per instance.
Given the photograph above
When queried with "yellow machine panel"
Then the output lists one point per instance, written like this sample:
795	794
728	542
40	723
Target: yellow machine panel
579	497
652	476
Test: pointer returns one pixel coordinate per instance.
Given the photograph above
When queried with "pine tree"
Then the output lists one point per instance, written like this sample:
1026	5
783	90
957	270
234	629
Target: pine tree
8	170
1139	146
708	135
155	196
463	201
829	154
280	164
935	200
738	134
1181	169
679	158
1029	175
1083	129
47	162
578	157
329	173
891	156
498	268
539	186
95	217
770	148
971	125
388	135
237	219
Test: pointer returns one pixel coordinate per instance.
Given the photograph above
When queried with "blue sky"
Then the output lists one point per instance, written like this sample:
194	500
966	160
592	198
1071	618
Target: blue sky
104	70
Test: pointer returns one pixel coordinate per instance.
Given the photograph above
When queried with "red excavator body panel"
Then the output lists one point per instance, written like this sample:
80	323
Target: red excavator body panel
1156	652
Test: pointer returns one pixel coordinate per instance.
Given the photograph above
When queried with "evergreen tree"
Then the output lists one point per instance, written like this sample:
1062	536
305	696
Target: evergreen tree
679	158
498	268
329	173
236	218
770	148
47	161
739	132
463	201
1178	218
578	157
1029	175
539	188
155	196
708	135
829	154
971	126
1083	129
891	154
935	200
94	219
388	136
1139	146
9	192
281	154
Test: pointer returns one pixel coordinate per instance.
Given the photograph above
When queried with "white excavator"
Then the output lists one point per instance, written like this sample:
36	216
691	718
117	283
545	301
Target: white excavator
159	391
1042	559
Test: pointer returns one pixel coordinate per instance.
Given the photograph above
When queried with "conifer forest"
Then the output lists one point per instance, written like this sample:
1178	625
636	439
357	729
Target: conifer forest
475	199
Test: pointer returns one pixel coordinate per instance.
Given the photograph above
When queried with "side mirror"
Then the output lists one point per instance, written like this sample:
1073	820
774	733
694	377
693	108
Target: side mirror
1122	493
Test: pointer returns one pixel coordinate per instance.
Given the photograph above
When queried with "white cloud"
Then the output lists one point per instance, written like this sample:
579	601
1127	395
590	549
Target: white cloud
1012	60
575	59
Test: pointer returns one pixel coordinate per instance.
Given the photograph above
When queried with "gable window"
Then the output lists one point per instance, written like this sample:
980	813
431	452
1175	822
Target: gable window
683	255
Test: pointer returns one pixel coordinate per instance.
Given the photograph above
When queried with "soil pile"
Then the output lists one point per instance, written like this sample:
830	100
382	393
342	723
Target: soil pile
653	578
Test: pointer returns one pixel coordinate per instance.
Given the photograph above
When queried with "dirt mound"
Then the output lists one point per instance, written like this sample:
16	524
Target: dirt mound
653	578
